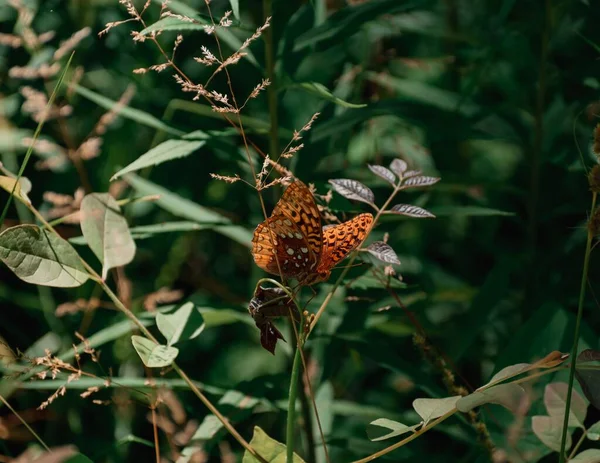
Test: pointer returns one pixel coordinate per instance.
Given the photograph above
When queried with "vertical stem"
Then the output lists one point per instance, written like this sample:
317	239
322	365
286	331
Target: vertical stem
311	456
289	438
272	89
586	261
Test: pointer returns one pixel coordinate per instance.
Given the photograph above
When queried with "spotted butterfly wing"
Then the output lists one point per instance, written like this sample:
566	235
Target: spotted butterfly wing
289	242
340	240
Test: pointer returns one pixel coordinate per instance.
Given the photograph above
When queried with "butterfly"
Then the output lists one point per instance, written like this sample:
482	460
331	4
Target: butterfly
292	243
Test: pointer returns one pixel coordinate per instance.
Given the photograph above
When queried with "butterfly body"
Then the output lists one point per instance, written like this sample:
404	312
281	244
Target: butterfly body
292	243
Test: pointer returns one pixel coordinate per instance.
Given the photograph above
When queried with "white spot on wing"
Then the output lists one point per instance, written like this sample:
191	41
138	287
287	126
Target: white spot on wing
290	251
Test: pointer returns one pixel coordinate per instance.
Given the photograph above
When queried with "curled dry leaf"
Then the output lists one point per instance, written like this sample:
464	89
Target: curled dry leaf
420	181
411	211
351	189
383	252
384	173
399	167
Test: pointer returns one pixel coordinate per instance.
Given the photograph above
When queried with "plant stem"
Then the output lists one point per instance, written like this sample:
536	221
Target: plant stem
29	428
586	261
289	437
271	89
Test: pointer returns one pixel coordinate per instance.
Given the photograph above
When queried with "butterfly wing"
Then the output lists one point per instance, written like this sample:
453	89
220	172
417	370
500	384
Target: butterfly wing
340	240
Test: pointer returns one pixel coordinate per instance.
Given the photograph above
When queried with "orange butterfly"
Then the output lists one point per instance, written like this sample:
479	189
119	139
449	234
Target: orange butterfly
292	243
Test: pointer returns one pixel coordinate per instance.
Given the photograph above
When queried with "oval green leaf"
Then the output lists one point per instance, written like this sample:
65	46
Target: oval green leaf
430	409
587	456
154	355
271	450
548	429
382	429
106	231
555	400
183	324
508	395
40	257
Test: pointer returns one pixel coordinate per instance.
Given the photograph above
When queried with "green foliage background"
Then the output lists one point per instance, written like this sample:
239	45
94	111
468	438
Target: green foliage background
499	98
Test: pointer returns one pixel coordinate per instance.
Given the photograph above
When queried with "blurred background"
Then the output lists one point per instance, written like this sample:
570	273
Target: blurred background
498	98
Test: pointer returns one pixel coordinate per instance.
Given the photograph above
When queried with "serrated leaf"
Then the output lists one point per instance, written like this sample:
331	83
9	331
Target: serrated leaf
509	395
268	448
106	231
411	211
351	189
154	355
589	379
40	257
398	166
548	429
430	409
419	181
382	429
384	173
183	324
587	456
593	432
383	252
166	151
555	400
20	189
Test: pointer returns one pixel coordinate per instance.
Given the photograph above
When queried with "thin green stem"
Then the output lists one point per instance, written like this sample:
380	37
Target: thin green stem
29	428
291	416
578	444
584	276
272	89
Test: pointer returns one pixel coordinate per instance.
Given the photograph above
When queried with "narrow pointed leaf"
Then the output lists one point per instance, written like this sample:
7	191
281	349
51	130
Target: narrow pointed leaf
167	151
587	456
320	90
384	173
398	166
183	324
509	395
555	400
383	252
548	429
419	181
411	211
106	231
40	257
154	355
351	189
268	448
589	379
412	173
430	409
382	429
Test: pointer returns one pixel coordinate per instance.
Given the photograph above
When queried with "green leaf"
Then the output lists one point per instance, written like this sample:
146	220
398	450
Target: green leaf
375	429
269	449
40	257
187	209
148	231
470	211
106	231
508	395
430	409
588	375
235	7
154	355
593	432
79	458
368	281
166	151
551	360
22	187
587	456
321	91
125	111
555	400
183	324
548	429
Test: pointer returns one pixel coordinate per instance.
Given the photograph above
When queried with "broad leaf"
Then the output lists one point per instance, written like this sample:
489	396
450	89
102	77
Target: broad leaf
106	231
40	257
384	173
411	211
351	189
167	151
383	252
183	324
268	448
511	396
419	181
589	378
382	429
154	355
555	400
593	432
398	166
548	429
587	456
430	409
